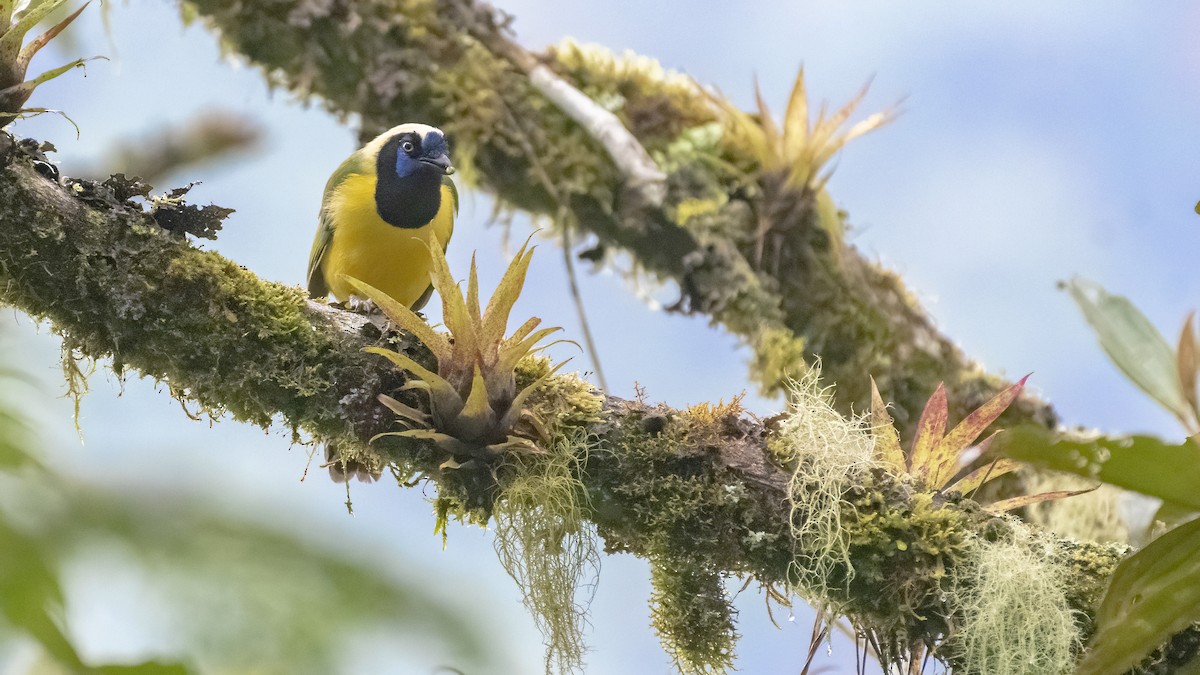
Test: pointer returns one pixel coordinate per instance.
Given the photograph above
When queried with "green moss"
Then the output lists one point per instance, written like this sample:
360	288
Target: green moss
656	104
779	356
657	490
143	298
902	552
563	403
692	615
1088	567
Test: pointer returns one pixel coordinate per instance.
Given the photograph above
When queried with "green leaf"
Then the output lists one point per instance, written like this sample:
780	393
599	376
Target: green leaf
477	415
403	410
147	668
1140	463
13	440
1186	366
520	333
473	294
10	42
887	441
1133	343
495	316
446	400
444	442
1154	594
401	315
30	596
511	354
455	314
42	40
795	118
34	112
20	92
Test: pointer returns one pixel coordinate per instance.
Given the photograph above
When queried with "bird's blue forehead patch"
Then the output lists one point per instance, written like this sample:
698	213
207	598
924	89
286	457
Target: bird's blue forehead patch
433	144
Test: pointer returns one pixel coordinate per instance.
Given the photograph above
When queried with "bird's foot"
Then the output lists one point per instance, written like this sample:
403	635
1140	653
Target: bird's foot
362	306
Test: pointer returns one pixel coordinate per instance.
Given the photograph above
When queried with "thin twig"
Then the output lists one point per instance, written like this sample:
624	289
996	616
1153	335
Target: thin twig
562	218
564	223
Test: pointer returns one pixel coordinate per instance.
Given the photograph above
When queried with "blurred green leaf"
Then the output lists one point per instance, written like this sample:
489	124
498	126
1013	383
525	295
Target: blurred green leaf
1171	514
1187	364
1133	343
1140	463
1154	594
245	596
238	596
30	597
147	668
15	433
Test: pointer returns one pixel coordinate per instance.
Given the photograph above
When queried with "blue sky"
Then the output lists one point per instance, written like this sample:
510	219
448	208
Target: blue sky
1039	140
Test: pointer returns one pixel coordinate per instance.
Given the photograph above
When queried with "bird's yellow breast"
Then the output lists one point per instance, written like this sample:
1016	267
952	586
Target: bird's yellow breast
393	259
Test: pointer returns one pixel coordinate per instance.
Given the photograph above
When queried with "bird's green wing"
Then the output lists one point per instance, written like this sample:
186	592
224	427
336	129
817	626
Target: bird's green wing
316	280
448	182
454	196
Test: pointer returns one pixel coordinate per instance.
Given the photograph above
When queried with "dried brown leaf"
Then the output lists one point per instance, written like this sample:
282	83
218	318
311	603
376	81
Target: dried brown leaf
1005	505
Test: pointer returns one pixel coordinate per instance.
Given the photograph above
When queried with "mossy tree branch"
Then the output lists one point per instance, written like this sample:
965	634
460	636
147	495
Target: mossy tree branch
698	487
454	64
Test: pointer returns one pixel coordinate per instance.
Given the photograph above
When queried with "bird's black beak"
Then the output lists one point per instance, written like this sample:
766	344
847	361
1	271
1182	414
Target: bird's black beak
441	163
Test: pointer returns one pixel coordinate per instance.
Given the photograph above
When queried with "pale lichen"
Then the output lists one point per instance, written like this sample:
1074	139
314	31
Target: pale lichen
546	545
1015	618
826	450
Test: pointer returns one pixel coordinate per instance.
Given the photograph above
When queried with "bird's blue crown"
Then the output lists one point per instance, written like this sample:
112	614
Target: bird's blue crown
433	144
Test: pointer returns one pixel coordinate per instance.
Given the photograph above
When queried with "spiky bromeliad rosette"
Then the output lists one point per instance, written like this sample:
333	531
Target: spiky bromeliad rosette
476	411
16	20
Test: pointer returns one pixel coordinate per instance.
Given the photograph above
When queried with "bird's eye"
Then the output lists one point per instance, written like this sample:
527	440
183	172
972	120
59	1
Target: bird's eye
407	145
